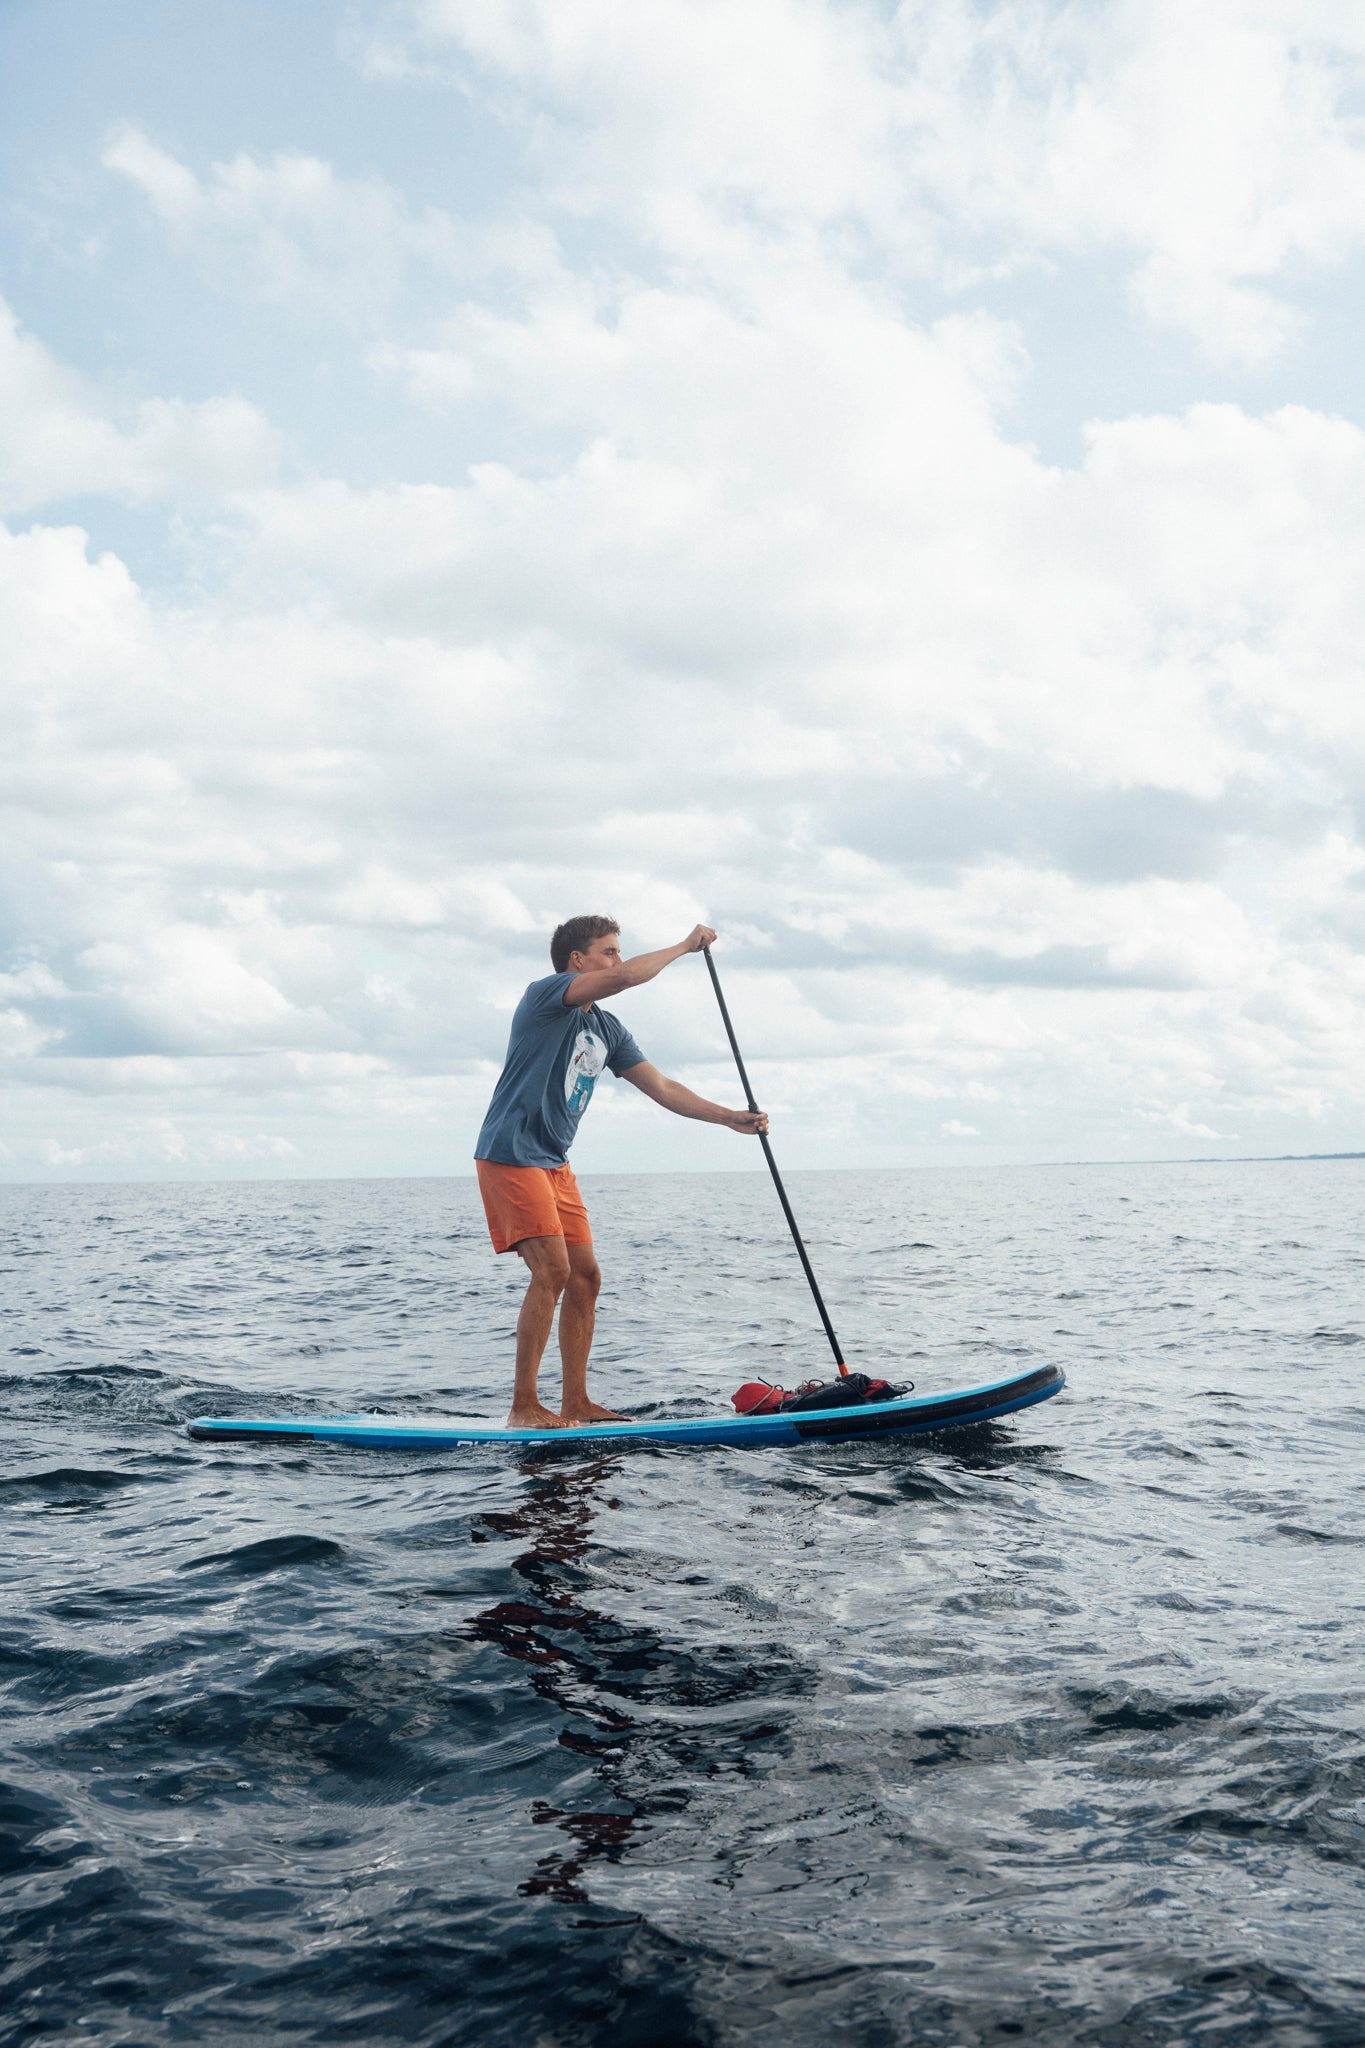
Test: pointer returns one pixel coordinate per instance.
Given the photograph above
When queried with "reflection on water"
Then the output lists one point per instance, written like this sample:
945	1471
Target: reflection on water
556	1520
594	1834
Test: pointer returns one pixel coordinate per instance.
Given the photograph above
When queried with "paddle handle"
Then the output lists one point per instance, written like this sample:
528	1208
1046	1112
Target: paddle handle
801	1251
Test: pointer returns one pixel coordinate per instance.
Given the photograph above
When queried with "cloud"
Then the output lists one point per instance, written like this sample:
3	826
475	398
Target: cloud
163	1144
1091	847
289	228
1161	618
1216	154
58	442
1180	1119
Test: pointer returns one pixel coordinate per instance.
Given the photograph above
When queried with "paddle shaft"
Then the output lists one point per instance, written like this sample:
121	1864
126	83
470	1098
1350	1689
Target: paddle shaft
801	1252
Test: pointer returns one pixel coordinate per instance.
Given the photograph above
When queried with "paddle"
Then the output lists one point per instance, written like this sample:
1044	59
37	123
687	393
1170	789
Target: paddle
772	1167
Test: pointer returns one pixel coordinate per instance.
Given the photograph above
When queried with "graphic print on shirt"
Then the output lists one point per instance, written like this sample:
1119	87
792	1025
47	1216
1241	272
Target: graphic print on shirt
586	1062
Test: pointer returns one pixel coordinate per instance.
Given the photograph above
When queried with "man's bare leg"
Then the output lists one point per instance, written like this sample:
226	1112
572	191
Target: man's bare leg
548	1260
577	1318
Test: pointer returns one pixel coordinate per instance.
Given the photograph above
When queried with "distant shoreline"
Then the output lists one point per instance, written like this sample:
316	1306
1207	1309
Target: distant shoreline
1246	1159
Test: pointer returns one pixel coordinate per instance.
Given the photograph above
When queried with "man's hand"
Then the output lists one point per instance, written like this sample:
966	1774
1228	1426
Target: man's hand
701	935
750	1123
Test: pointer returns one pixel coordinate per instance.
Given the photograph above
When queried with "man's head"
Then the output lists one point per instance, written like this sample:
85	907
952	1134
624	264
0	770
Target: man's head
578	935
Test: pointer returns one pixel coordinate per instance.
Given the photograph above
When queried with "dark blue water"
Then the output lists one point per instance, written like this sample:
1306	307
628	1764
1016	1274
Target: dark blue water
1051	1728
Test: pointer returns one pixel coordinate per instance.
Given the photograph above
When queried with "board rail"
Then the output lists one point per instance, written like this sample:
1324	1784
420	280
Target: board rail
909	1412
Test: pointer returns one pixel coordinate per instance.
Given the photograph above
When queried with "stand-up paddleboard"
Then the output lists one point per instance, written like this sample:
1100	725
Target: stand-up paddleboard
810	1425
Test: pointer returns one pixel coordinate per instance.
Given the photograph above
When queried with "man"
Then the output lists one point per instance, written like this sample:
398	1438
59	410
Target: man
559	1045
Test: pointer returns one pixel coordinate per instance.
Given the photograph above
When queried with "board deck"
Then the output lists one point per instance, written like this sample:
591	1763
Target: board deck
451	1432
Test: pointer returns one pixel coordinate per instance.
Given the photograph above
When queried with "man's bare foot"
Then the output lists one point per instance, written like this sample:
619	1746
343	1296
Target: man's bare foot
534	1416
591	1412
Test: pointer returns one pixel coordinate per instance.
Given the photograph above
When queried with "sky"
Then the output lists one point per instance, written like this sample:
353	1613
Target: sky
888	481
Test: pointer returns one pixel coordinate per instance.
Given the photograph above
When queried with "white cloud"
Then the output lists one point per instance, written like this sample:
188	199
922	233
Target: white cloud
289	228
1179	1119
302	825
1215	151
162	1143
1164	615
56	440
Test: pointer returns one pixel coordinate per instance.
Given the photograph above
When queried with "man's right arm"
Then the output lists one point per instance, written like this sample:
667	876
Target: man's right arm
610	981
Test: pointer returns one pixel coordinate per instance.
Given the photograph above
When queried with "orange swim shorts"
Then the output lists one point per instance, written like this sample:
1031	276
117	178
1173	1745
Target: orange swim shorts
531	1201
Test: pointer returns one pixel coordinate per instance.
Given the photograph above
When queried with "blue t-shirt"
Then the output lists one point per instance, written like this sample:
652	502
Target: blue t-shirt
554	1056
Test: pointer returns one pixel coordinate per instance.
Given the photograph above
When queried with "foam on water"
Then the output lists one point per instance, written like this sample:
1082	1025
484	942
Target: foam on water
1048	1728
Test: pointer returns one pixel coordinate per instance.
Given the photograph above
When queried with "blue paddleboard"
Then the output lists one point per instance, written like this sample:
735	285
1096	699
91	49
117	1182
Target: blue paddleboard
811	1425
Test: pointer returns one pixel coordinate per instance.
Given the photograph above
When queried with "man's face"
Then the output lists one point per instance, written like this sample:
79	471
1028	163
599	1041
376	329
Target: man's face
603	952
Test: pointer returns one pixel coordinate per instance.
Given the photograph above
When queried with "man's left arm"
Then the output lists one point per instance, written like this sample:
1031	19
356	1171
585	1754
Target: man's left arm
672	1095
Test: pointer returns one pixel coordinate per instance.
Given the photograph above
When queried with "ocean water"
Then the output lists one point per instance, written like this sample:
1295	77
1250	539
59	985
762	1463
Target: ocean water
1047	1729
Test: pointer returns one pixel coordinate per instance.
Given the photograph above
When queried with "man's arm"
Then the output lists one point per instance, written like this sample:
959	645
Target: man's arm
610	981
672	1095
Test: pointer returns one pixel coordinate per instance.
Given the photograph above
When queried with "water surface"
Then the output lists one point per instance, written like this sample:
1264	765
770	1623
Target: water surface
1050	1727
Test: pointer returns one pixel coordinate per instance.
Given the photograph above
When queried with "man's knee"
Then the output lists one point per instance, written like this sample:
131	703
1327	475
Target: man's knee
585	1278
548	1259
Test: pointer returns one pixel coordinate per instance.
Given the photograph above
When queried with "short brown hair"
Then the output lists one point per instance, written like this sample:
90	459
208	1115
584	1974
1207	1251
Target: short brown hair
575	936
